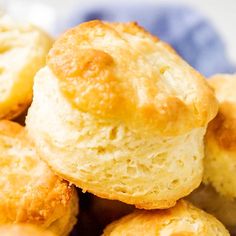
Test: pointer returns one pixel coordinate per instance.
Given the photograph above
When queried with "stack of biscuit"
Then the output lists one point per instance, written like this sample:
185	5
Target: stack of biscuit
115	112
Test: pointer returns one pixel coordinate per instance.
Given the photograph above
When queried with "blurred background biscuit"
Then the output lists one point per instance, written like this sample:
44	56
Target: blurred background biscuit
182	219
29	191
222	207
23	48
218	192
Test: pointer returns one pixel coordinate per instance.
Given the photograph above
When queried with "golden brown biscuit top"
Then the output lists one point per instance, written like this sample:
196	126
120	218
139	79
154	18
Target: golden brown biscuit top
121	72
23	230
29	190
223	127
181	220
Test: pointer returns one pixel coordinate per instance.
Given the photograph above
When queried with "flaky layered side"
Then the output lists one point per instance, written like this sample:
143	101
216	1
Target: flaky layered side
183	219
120	114
109	159
29	191
23	50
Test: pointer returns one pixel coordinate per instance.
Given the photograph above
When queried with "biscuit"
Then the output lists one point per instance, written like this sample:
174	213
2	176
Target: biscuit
23	50
118	113
222	207
218	193
29	191
220	161
183	219
23	230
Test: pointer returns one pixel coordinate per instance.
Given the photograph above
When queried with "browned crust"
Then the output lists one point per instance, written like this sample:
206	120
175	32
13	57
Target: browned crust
223	128
43	202
106	85
15	111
